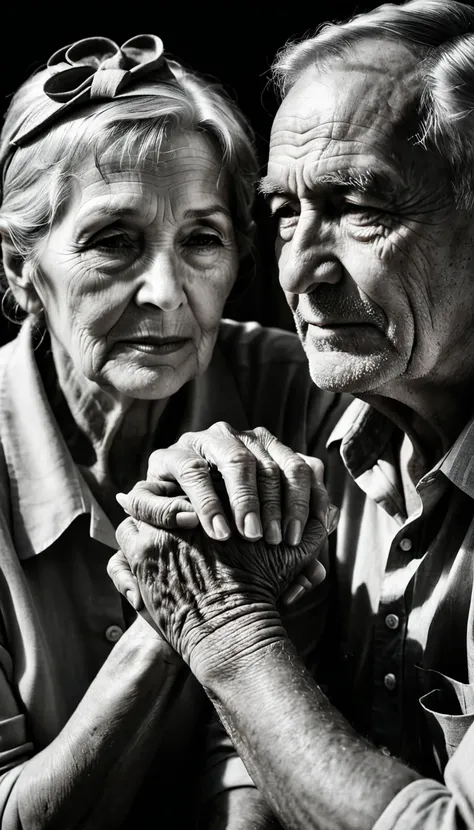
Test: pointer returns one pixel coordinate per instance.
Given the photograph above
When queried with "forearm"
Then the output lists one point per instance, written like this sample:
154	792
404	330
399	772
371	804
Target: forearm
93	768
303	756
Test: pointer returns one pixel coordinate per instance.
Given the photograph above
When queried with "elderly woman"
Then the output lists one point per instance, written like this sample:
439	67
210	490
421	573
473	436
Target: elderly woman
126	211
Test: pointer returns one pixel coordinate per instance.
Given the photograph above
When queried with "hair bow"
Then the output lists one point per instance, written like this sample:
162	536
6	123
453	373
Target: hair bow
97	69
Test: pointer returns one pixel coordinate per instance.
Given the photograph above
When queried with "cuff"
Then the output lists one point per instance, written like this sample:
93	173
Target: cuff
422	805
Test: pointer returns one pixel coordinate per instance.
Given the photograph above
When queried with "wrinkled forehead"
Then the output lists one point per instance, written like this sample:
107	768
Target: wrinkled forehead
184	170
176	162
362	106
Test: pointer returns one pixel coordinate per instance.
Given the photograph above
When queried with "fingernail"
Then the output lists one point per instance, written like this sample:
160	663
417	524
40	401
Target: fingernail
122	499
186	520
294	531
273	532
332	518
130	596
252	526
294	594
220	527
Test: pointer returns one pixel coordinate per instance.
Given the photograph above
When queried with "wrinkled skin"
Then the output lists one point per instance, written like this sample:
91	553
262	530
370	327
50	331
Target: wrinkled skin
137	255
195	588
375	259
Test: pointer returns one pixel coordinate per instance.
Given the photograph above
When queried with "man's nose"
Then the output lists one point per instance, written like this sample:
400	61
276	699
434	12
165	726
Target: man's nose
161	284
309	258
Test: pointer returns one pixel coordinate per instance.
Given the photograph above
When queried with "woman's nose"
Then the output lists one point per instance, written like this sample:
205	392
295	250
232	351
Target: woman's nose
308	259
161	285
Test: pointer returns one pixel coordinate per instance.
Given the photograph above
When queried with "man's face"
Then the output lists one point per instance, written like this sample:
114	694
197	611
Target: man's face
374	257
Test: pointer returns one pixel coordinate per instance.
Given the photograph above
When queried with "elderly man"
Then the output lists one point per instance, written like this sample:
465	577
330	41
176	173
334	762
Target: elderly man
370	182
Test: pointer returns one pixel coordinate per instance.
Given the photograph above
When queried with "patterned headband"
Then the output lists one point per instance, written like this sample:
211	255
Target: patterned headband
91	71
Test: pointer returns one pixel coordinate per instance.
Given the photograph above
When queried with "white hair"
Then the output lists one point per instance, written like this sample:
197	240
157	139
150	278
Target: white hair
441	34
38	177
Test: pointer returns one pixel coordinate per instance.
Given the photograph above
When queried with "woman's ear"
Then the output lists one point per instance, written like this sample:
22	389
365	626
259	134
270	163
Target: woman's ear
19	272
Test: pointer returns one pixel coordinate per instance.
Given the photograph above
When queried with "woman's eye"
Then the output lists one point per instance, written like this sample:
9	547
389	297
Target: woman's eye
203	240
113	242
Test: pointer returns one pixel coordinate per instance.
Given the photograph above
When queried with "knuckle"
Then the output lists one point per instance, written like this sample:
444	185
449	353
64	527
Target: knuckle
187	439
263	434
192	469
269	470
164	514
297	470
299	509
222	427
240	457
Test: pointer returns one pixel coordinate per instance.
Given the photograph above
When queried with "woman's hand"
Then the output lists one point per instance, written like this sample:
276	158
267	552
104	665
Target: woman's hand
197	591
267	489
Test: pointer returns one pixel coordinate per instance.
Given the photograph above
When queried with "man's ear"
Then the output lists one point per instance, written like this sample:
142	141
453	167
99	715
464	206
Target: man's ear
19	272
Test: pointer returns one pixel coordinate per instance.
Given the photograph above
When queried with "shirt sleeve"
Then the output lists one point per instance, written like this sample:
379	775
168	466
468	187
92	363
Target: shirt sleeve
429	805
15	747
224	770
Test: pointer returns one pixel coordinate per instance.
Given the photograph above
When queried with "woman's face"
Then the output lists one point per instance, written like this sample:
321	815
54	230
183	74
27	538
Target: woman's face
136	271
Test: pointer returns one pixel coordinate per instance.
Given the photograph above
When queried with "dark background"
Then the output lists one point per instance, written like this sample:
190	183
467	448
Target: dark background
233	42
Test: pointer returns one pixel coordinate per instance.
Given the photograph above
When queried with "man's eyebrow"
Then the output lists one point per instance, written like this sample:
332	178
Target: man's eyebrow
269	186
203	213
364	181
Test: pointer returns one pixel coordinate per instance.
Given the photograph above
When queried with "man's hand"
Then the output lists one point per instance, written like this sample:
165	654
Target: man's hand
212	601
267	489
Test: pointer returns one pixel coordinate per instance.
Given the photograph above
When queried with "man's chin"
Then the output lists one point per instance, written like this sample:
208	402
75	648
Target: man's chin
341	372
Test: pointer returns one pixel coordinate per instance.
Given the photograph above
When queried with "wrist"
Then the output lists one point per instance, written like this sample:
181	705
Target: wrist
231	646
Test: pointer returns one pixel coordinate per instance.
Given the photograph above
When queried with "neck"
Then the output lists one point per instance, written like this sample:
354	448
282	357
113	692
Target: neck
430	415
120	429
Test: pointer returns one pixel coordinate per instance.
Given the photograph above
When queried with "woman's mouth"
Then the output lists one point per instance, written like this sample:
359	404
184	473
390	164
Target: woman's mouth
157	345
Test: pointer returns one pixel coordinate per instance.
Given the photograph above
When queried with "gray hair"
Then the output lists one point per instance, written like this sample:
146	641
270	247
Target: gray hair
441	34
38	177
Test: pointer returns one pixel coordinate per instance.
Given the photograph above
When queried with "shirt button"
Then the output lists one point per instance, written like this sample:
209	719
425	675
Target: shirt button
113	633
392	621
405	544
390	681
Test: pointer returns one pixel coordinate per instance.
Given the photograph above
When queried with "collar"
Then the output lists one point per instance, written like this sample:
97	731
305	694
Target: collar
47	491
363	433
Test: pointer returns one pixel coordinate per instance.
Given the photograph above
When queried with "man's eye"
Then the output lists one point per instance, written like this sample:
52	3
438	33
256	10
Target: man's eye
285	213
363	211
203	240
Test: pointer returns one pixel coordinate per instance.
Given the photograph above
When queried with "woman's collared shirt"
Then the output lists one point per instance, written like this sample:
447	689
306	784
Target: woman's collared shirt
60	614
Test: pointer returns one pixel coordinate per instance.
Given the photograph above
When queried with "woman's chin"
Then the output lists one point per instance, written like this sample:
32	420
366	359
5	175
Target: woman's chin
148	383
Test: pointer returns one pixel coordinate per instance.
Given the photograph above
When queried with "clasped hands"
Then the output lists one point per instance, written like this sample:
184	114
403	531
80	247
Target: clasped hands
226	524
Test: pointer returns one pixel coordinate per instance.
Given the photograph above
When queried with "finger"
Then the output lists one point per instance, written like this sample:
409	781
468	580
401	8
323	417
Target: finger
161	511
319	499
237	465
190	470
119	571
296	479
310	577
268	487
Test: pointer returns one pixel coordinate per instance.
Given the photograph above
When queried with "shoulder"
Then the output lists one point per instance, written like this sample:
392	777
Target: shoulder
250	343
